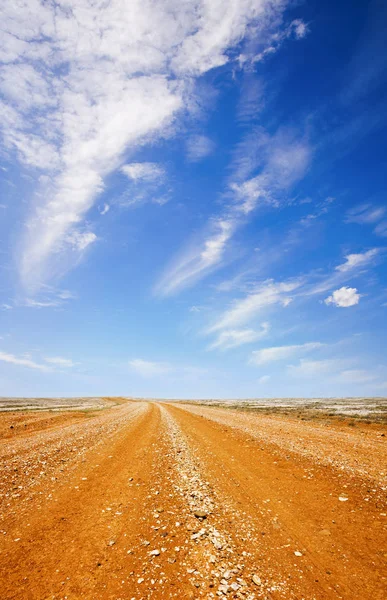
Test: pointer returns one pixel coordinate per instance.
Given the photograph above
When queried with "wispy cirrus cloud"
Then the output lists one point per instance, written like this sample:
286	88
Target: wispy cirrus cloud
281	161
199	260
49	297
369	214
313	368
353	266
232	338
297	29
23	362
357	261
143	171
59	361
147	368
148	183
276	353
150	369
365	214
83	82
244	310
198	147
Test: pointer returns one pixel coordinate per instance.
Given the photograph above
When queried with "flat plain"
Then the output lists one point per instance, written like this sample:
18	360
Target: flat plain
117	498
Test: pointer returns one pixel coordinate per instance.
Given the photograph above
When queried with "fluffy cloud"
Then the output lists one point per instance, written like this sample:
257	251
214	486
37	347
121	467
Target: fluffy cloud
82	82
231	338
260	357
344	297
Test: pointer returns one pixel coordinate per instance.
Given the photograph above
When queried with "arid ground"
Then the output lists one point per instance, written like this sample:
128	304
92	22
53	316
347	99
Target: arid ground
130	500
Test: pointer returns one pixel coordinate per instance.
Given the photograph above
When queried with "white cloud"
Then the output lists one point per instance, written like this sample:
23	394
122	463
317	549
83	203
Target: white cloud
83	82
260	357
286	159
365	214
6	306
198	261
23	362
296	29
336	370
344	297
196	309
242	311
147	368
357	376
381	229
105	209
198	147
49	297
264	379
148	183
282	161
231	338
143	171
357	261
81	240
41	303
311	368
58	361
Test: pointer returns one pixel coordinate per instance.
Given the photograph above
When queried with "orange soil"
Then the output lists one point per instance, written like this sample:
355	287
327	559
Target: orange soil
104	507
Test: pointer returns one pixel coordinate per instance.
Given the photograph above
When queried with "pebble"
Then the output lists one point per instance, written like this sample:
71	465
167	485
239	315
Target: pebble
200	514
257	580
154	552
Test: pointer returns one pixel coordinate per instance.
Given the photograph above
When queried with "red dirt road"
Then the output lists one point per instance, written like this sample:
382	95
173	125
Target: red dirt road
147	500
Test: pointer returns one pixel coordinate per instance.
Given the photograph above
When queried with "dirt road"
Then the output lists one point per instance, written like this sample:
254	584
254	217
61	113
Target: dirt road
147	500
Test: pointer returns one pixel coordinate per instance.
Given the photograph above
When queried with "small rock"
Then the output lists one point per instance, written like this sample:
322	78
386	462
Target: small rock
200	514
154	552
257	580
297	553
343	498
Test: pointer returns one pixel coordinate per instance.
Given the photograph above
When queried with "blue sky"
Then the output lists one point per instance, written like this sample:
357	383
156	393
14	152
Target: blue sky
193	198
